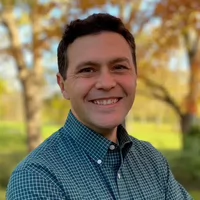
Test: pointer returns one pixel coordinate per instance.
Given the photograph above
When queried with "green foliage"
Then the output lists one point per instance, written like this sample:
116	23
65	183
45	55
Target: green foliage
12	150
195	194
12	138
192	140
186	163
7	164
186	168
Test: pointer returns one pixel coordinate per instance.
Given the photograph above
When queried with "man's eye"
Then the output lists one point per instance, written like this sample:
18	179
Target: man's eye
120	67
86	70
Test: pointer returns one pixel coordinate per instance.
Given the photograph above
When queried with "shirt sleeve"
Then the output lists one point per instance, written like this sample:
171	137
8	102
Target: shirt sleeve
31	186
174	189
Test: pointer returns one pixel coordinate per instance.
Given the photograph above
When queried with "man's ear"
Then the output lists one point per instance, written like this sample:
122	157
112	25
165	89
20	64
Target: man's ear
65	95
61	84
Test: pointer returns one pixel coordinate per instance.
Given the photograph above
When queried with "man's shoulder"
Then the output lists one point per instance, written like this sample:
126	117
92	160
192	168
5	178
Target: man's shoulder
141	144
146	150
46	164
46	154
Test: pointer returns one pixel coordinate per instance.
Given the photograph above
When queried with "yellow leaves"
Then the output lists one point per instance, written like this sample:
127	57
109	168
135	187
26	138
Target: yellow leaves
8	3
171	8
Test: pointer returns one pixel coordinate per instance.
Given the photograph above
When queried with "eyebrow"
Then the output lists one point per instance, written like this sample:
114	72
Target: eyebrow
120	59
97	64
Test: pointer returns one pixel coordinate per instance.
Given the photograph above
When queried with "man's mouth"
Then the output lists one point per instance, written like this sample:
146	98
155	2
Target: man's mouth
106	101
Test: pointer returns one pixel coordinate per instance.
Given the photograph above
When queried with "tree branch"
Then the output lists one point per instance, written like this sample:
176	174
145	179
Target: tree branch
7	51
191	46
165	97
9	22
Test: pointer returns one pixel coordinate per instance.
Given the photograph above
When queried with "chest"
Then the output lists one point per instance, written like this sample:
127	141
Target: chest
111	180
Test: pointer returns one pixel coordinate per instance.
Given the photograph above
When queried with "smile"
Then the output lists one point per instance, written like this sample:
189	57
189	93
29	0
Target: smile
106	101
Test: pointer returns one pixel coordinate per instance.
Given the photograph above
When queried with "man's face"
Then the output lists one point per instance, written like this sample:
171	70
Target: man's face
101	80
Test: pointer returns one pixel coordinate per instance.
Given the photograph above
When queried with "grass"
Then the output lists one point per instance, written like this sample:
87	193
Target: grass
2	194
13	137
163	137
195	194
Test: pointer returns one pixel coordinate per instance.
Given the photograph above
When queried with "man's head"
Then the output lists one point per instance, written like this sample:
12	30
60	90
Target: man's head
97	71
94	24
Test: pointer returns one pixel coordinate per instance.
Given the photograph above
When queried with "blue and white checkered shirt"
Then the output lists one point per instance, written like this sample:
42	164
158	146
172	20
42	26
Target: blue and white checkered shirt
77	163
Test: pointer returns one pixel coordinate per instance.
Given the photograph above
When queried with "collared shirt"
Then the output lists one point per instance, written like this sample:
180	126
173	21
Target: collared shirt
78	163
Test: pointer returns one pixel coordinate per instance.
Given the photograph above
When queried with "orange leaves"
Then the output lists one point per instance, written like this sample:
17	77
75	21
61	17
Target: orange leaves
88	4
169	9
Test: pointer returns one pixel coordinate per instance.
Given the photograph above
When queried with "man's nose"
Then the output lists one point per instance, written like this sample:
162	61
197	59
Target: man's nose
105	81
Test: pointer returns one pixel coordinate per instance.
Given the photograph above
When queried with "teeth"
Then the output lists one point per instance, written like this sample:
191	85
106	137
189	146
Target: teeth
106	102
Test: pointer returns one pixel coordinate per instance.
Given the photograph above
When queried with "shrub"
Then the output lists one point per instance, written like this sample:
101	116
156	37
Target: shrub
7	164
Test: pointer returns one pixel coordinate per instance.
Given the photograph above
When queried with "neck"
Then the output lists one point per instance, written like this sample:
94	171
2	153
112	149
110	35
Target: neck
109	134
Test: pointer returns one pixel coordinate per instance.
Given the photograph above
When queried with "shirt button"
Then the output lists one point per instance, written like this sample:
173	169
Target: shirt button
112	147
99	161
119	176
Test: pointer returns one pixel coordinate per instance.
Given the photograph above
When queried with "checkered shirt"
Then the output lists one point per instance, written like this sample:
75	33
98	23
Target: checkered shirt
78	163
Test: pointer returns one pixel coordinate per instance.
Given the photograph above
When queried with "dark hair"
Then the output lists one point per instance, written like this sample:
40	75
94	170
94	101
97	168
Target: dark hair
93	24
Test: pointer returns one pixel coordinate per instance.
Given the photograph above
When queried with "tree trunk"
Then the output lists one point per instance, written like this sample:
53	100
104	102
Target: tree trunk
188	119
33	109
31	80
186	123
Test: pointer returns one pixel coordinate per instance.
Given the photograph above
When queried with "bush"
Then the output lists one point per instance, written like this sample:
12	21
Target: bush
186	165
192	140
7	165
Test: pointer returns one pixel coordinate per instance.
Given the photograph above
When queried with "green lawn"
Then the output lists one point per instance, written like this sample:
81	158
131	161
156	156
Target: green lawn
195	194
2	194
160	136
13	137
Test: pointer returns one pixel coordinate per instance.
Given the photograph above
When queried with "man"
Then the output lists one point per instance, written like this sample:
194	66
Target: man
92	156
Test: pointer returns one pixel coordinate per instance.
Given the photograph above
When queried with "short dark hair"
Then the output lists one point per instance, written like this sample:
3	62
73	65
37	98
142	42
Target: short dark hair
93	24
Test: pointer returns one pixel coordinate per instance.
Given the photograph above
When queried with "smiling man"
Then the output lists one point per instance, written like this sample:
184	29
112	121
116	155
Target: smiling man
92	156
100	81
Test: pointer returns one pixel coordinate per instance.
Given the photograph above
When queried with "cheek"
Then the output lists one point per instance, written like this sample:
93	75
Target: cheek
81	88
129	85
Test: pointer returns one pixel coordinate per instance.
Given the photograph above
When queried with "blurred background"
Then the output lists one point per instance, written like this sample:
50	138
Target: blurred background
167	106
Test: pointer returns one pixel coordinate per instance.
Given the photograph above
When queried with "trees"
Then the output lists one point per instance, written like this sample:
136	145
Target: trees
175	27
44	28
37	16
179	28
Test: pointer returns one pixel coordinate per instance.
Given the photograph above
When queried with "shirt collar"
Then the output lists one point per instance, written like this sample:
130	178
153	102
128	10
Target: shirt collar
125	142
94	144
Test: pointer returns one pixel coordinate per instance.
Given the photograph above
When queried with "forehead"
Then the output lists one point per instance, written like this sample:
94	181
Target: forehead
99	47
